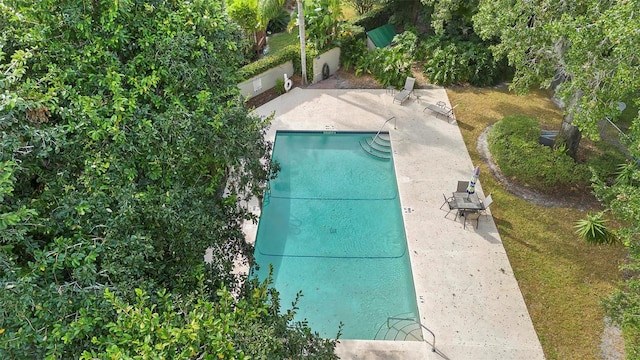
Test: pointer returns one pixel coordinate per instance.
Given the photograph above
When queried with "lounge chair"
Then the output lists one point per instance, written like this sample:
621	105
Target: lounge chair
441	108
406	91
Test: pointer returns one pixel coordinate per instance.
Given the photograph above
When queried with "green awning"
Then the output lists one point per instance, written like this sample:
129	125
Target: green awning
382	36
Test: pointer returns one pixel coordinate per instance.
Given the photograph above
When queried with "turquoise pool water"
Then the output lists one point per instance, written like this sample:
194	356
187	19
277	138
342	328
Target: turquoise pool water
332	227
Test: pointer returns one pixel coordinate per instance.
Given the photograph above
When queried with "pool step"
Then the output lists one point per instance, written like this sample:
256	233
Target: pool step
378	146
400	330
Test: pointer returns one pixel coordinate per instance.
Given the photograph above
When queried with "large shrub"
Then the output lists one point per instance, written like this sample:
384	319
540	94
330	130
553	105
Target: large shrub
291	52
353	46
454	61
390	65
279	22
513	143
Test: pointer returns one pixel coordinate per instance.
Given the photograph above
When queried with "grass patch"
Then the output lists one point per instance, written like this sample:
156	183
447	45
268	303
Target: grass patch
561	277
281	40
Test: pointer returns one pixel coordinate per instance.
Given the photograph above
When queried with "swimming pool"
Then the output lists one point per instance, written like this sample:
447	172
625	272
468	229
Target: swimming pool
332	227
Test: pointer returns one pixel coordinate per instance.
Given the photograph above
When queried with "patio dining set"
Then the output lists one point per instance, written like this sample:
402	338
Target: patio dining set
466	204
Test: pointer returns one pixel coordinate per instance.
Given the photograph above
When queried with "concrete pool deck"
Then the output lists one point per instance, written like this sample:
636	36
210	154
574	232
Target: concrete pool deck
466	291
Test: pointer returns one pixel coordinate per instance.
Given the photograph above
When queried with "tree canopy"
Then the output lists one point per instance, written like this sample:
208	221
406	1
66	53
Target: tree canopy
125	153
588	48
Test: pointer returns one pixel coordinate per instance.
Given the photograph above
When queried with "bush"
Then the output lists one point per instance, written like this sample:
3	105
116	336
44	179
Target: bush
390	65
279	23
353	45
279	86
456	61
519	126
513	143
606	166
291	52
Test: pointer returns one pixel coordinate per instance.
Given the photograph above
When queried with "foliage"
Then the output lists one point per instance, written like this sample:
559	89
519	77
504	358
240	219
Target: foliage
288	53
455	61
126	152
513	142
353	45
279	22
589	48
374	18
322	23
279	86
593	230
165	326
452	17
390	65
253	15
245	14
621	195
362	6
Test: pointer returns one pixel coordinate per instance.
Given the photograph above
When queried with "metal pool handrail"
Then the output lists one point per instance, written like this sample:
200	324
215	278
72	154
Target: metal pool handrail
433	346
385	123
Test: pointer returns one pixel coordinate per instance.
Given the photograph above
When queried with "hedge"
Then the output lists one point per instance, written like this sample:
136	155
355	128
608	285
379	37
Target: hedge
374	18
291	52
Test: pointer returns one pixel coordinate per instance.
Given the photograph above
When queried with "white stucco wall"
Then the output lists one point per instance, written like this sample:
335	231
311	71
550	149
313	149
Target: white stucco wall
265	81
331	58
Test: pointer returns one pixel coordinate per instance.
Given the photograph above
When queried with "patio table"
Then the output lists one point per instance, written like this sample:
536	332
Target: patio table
467	202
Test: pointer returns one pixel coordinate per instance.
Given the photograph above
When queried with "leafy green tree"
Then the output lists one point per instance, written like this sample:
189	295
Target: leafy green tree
193	327
125	153
322	20
254	15
589	48
453	17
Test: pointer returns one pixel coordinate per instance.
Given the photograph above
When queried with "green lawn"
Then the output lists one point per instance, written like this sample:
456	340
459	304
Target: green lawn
280	40
561	278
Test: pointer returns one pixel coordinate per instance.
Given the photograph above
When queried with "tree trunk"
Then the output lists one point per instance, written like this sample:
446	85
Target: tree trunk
569	135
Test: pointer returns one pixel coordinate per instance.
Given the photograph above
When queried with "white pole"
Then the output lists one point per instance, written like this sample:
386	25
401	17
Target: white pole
303	53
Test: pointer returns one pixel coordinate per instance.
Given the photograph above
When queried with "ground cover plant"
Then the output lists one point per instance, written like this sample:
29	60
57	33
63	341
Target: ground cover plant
563	279
514	146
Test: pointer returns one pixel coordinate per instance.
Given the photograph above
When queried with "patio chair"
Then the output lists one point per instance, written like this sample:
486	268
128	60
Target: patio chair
470	215
475	215
462	186
485	204
406	91
451	204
